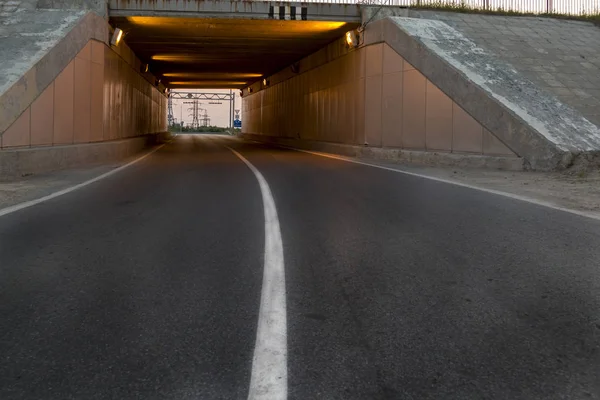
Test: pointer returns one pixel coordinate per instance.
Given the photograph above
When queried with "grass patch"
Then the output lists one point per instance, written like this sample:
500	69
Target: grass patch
212	129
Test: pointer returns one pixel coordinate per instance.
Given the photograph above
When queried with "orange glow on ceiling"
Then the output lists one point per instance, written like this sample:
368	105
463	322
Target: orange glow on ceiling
266	24
177	57
210	75
211	83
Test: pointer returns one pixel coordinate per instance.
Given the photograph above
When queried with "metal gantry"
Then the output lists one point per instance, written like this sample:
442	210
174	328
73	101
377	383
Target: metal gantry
202	96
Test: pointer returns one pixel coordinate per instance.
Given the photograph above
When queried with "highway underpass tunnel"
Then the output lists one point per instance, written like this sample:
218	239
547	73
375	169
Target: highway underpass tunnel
230	52
361	80
194	52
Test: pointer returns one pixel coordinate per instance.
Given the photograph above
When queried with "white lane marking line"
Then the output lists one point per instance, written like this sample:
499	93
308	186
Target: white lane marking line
543	203
30	203
269	364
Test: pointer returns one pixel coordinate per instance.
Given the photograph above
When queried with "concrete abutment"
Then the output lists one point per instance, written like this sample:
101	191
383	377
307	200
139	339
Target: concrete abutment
420	87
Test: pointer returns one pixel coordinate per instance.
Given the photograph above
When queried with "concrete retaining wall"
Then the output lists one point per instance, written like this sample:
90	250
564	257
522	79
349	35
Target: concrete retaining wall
31	59
16	163
421	85
80	91
99	6
547	133
434	158
96	97
367	97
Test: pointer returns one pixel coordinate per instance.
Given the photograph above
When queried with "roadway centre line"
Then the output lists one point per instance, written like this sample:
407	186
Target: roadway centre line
30	203
542	203
269	364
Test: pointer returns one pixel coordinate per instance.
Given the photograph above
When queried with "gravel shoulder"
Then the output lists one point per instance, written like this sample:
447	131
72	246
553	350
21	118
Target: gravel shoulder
577	190
33	187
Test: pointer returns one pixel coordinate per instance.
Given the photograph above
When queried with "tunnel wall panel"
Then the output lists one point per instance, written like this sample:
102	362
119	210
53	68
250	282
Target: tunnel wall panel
97	97
368	96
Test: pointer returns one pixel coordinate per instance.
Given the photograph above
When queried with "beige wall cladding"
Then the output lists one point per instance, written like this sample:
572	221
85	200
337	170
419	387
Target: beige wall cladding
359	112
86	52
97	102
373	123
413	110
42	118
45	70
374	59
370	95
391	109
97	52
438	120
63	106
82	101
321	116
359	61
334	104
18	133
109	78
92	100
324	103
392	61
467	134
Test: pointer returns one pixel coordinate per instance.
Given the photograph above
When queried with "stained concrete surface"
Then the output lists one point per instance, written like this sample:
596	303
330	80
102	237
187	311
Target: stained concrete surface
26	36
547	133
560	56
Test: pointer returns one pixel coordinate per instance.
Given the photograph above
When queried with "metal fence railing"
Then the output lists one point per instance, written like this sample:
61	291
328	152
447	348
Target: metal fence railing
570	7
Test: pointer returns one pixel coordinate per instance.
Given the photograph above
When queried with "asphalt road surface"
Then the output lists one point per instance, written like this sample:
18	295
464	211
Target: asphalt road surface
147	284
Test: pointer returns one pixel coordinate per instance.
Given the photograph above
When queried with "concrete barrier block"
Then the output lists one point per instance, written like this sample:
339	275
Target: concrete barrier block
509	163
15	163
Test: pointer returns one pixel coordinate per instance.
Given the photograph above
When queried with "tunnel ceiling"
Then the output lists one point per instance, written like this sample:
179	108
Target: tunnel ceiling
223	53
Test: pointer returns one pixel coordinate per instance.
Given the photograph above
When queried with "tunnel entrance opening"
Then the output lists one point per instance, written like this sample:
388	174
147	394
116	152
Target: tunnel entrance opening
204	60
197	110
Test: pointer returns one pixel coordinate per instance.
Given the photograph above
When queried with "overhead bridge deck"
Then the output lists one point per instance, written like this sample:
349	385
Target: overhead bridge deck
236	10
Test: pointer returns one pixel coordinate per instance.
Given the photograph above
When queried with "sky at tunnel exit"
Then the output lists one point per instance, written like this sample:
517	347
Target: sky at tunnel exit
218	113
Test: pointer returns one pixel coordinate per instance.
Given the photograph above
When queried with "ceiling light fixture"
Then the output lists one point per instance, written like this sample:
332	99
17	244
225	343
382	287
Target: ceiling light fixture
116	37
351	39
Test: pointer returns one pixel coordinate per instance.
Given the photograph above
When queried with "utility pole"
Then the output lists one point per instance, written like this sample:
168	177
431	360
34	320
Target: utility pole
230	111
194	112
170	118
205	119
